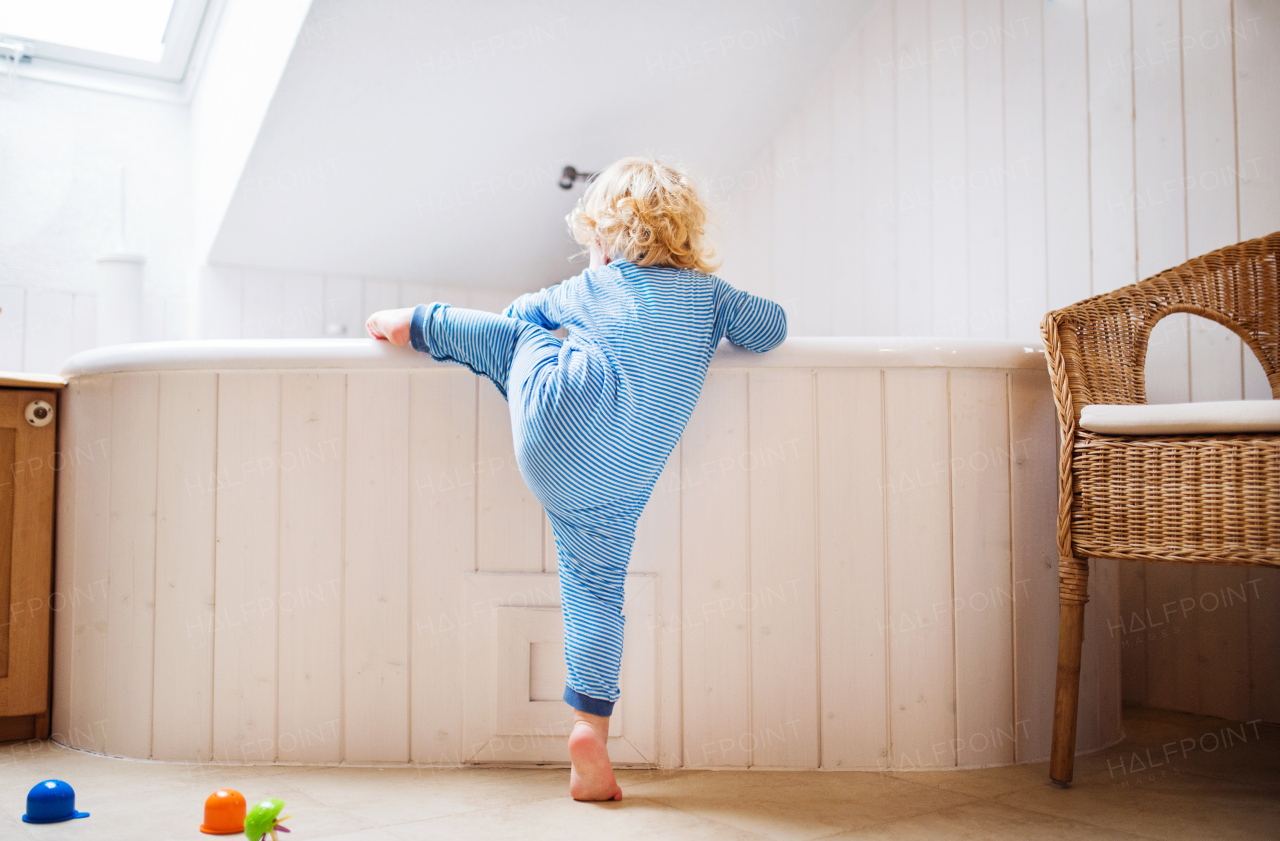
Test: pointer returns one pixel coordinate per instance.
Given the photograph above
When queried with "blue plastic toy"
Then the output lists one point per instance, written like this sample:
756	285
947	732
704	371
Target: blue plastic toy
50	802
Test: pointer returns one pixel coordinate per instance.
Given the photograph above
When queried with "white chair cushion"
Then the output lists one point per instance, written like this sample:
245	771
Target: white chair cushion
1225	417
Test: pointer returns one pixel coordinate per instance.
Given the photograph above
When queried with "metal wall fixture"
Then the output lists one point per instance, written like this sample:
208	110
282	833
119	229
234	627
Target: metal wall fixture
570	175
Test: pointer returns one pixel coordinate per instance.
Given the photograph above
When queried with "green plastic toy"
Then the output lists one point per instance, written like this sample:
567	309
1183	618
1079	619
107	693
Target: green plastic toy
262	820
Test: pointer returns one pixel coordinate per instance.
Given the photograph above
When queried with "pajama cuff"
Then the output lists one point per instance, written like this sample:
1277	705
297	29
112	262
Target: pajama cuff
587	704
418	328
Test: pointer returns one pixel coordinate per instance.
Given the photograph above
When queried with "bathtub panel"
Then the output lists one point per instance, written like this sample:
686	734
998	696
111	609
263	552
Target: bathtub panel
715	577
442	510
921	647
185	489
657	550
851	570
246	568
376	588
509	536
983	603
842	538
783	599
64	564
1033	433
131	563
312	420
95	453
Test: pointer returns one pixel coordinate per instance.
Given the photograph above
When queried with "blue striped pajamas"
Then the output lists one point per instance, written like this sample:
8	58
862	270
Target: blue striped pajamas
594	417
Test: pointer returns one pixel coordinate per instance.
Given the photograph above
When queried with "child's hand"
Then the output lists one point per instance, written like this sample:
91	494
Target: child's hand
392	325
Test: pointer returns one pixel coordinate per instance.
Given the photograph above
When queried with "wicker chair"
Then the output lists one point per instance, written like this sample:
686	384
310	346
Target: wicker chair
1181	499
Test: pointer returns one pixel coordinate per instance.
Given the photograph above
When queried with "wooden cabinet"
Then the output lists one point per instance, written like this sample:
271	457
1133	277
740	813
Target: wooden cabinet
28	463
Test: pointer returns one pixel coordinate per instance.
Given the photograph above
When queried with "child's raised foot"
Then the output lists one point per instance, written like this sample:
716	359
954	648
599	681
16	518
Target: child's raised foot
592	775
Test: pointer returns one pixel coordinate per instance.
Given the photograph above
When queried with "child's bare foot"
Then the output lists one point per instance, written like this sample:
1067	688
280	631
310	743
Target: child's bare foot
392	325
592	776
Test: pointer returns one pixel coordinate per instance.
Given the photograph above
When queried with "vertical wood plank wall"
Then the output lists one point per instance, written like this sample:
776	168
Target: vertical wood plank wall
854	567
991	161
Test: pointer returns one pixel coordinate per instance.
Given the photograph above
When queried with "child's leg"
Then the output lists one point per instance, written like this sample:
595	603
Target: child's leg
483	341
593	565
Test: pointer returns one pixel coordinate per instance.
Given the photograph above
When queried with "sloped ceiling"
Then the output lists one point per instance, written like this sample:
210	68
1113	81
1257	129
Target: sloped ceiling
422	139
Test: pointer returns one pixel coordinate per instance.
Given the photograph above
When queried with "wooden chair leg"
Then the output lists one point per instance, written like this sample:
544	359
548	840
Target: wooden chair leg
1062	754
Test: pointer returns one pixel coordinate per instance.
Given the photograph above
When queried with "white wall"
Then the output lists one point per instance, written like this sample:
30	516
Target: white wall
61	149
962	168
251	303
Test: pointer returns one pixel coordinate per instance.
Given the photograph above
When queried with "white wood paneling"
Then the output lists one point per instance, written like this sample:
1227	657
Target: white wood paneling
715	580
1066	152
783	574
1033	447
1111	158
985	210
851	570
245	630
312	442
1024	126
1257	69
1158	201
64	551
376	586
186	485
93	454
442	549
947	192
911	194
982	551
802	555
921	587
1264	643
880	316
509	533
131	563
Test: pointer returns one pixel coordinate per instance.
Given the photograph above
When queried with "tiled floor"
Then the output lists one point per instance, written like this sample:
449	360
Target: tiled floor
1202	788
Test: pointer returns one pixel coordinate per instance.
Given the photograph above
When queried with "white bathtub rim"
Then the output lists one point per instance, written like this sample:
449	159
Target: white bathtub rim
824	352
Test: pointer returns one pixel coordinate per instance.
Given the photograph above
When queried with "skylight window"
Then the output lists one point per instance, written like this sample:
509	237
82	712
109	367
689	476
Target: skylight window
142	37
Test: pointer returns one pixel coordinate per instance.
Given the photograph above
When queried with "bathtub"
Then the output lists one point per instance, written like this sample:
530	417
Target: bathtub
321	551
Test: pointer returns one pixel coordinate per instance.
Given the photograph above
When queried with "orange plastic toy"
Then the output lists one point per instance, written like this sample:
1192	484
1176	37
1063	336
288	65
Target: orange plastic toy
224	813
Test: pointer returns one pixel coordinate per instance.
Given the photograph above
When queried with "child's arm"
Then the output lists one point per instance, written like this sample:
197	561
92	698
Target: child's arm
756	323
542	308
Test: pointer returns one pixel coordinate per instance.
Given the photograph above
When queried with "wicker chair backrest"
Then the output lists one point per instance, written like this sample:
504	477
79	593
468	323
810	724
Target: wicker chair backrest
1103	340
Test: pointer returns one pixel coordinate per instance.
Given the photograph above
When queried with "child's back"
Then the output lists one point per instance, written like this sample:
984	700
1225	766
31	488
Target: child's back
645	336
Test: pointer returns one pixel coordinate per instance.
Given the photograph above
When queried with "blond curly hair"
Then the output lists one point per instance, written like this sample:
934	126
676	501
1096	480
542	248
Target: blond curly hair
645	211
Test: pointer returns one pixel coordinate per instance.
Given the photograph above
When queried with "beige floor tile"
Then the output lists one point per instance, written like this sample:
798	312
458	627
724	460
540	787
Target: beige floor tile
797	805
634	818
11	825
983	821
379	797
23	769
1161	803
985	782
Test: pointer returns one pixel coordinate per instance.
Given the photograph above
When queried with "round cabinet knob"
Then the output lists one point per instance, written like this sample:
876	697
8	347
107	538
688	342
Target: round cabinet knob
39	413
